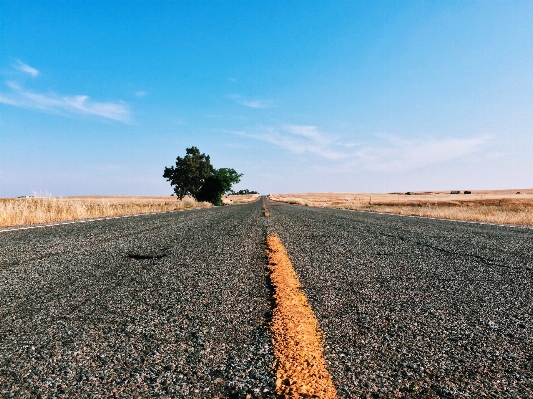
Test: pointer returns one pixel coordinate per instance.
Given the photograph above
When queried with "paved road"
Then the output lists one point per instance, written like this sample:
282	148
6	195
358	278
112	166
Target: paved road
416	307
83	315
177	305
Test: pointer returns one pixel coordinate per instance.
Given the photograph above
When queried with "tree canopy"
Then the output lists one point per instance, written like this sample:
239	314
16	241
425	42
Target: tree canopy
195	176
190	173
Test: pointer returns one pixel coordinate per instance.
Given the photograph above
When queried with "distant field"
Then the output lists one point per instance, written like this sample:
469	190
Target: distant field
494	206
21	211
239	199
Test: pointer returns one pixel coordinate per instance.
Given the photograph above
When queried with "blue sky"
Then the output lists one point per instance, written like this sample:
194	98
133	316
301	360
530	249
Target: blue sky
96	98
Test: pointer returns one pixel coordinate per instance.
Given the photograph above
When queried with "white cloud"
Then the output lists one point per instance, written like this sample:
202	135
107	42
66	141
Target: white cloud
51	102
389	154
258	104
27	69
114	111
7	100
301	139
254	104
140	94
398	155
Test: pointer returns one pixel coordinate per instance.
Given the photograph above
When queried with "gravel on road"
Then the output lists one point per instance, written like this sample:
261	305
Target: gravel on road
170	305
413	307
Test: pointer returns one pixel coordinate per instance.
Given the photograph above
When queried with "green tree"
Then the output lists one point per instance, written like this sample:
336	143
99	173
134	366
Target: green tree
227	177
190	173
243	192
194	175
211	191
218	184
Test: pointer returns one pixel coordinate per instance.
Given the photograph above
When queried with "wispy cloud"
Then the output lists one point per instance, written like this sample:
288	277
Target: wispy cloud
254	104
18	96
249	103
398	155
387	153
300	139
8	101
140	94
26	69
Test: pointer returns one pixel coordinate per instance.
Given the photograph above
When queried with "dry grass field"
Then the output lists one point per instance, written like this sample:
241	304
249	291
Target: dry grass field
239	199
493	206
22	211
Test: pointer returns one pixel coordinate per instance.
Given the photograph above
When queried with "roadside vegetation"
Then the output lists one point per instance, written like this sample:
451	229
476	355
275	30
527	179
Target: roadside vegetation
234	199
195	176
503	206
21	211
196	183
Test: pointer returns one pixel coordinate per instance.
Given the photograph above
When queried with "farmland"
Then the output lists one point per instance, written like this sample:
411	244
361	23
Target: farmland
490	206
35	210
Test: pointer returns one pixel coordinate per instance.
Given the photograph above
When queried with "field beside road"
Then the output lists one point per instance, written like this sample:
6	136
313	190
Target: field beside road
492	206
239	199
35	210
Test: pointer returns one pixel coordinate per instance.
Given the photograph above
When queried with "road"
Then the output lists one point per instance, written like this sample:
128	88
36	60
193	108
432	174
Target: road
179	304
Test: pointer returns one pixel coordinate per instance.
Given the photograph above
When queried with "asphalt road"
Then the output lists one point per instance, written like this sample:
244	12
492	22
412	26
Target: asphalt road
82	314
178	305
416	307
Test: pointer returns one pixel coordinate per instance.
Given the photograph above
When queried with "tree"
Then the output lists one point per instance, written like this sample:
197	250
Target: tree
243	192
194	175
211	191
227	178
190	172
218	184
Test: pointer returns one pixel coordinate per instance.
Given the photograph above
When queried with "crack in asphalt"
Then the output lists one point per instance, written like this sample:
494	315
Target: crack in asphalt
449	252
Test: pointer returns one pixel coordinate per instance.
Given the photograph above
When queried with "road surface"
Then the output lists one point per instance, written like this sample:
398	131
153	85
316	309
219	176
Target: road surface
179	305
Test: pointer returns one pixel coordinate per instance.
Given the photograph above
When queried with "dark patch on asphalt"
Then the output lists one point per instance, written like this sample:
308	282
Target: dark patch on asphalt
145	256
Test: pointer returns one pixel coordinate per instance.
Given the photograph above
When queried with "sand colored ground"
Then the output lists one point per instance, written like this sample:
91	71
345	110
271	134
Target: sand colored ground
239	199
493	206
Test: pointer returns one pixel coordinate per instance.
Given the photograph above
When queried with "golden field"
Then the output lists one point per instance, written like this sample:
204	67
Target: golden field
239	199
21	211
491	206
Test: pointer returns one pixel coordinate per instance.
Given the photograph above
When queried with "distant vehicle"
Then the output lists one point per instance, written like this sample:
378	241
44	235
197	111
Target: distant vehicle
468	192
455	192
409	193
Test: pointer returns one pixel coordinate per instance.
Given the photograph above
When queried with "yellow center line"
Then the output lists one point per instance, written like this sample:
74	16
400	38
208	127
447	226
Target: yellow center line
300	366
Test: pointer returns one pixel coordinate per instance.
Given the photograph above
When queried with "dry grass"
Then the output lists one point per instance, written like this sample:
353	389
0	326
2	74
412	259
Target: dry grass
22	211
239	199
496	206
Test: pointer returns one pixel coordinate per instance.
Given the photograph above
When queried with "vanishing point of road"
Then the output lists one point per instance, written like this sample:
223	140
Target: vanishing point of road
179	305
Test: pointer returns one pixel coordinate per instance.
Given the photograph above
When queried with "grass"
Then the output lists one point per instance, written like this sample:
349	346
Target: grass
239	199
23	211
503	207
